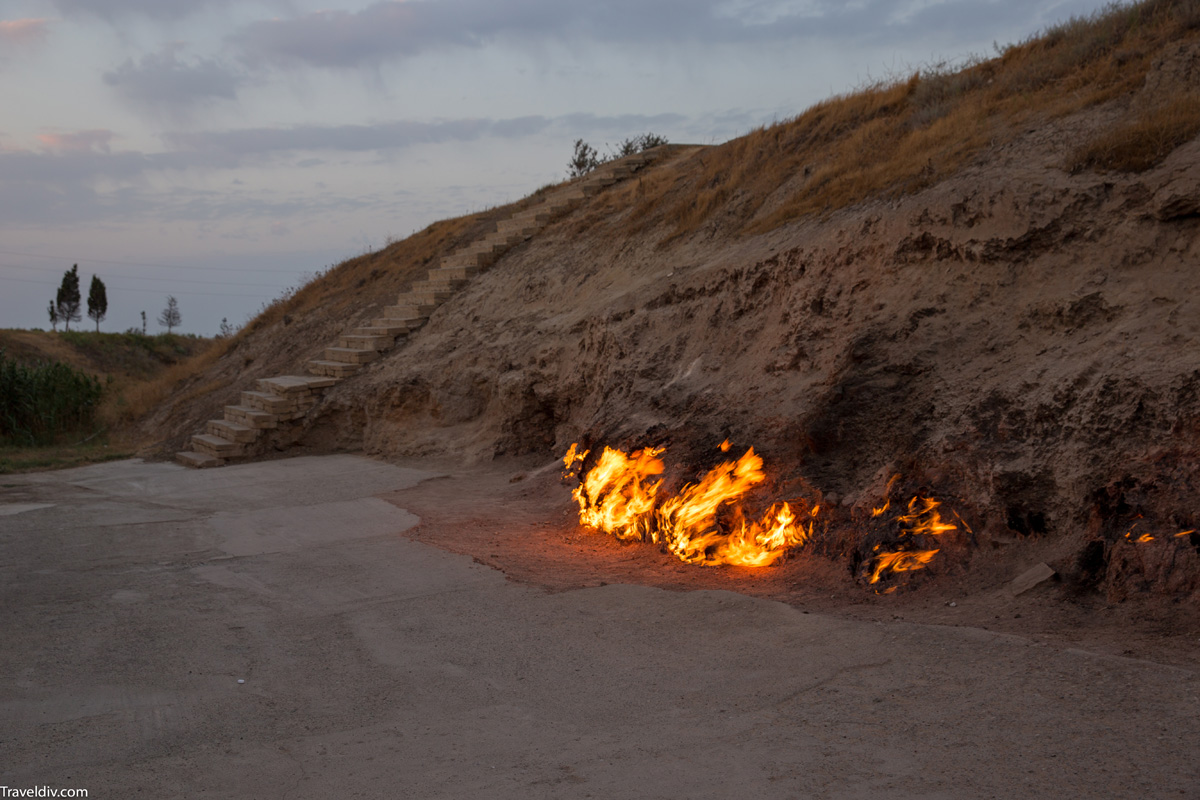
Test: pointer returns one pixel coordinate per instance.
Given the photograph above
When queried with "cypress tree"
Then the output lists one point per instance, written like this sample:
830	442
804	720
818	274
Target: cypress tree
68	298
97	301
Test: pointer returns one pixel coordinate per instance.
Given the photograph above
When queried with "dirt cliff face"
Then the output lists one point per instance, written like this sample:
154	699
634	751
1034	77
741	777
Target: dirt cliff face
1018	339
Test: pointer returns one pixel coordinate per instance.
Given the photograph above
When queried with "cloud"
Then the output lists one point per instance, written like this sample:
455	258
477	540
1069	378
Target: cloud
77	142
118	9
164	81
23	31
399	29
256	142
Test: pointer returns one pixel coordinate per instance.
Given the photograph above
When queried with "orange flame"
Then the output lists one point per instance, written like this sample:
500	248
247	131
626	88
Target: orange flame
618	497
901	561
922	519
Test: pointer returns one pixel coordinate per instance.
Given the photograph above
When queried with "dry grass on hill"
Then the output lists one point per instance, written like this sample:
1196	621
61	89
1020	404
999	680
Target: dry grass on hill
898	137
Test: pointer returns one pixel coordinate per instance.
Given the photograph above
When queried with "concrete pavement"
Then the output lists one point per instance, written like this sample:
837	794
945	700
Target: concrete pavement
134	597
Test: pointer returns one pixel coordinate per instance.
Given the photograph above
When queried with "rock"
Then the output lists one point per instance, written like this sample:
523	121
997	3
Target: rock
1034	576
1177	200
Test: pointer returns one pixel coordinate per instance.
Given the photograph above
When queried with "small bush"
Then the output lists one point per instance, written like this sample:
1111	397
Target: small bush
1143	142
39	402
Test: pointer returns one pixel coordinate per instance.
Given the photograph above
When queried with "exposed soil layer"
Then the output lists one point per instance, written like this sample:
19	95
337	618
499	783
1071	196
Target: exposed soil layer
1017	341
522	522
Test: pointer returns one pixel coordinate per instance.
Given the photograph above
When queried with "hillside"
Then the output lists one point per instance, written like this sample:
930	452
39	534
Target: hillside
982	281
124	357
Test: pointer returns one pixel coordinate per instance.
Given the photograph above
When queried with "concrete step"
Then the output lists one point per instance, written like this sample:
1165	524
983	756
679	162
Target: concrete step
470	259
334	369
450	286
350	355
268	401
395	332
233	431
504	239
430	300
536	217
216	446
190	458
408	313
251	417
453	273
367	341
434	297
515	236
289	385
593	188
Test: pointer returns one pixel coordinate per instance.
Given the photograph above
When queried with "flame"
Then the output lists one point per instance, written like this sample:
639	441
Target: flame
1145	537
1184	533
922	519
901	561
619	496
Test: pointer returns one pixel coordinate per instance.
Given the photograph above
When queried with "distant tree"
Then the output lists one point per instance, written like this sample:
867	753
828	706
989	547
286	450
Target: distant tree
169	317
97	301
68	298
54	315
143	323
227	330
584	160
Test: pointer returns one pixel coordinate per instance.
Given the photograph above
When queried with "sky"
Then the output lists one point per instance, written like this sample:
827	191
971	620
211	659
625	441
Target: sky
222	151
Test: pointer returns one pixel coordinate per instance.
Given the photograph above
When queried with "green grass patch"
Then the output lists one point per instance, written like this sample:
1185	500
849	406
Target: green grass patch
60	456
40	402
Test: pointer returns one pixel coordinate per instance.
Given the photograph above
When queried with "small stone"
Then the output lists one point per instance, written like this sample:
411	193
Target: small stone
1032	577
241	680
952	604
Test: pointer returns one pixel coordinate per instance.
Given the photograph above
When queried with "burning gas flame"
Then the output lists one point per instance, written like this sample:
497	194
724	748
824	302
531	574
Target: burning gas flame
619	496
1146	537
921	519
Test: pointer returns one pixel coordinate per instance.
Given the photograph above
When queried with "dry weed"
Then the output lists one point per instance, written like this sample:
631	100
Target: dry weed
1143	141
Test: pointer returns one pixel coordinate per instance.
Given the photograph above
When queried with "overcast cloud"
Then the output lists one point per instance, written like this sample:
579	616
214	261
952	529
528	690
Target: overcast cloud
397	29
164	81
23	31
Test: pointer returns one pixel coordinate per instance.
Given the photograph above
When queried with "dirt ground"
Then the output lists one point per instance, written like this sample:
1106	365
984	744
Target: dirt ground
521	520
279	630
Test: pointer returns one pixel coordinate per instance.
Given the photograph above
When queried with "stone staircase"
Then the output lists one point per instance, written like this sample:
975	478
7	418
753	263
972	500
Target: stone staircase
283	399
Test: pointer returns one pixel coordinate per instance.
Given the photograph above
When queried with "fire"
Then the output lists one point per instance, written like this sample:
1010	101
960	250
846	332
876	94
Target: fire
619	496
921	519
901	561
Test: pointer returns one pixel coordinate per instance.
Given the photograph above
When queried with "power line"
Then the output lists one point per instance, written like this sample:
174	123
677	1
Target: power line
184	292
147	264
41	271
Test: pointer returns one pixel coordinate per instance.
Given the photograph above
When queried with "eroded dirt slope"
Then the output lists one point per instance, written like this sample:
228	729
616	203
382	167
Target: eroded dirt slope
1016	338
